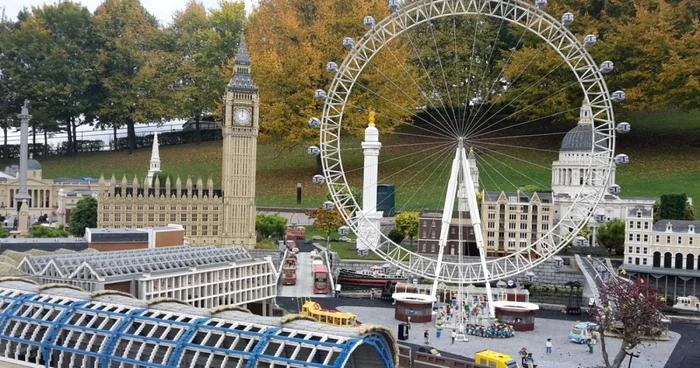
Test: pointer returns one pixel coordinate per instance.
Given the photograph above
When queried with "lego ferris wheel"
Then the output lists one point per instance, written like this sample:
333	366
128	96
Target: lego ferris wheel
436	77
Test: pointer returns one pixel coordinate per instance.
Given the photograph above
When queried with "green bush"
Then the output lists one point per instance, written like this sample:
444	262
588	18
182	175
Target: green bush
396	236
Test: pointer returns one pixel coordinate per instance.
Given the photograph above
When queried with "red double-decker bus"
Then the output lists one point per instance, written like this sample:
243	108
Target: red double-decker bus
289	270
320	275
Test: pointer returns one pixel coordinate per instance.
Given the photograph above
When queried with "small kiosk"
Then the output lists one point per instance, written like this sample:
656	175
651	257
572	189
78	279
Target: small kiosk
520	315
417	306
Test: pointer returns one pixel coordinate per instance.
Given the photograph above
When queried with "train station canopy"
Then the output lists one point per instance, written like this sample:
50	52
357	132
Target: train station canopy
57	326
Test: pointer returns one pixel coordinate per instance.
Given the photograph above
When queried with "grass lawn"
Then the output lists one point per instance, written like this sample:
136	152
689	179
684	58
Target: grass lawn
663	149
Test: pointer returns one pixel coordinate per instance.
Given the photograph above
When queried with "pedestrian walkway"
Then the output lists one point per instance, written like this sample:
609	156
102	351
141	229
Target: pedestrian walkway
565	354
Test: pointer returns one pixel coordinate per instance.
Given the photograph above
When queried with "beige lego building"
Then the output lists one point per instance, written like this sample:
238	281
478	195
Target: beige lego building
513	220
209	216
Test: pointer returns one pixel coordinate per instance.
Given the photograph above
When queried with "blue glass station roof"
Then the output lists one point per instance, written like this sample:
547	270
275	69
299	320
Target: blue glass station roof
62	327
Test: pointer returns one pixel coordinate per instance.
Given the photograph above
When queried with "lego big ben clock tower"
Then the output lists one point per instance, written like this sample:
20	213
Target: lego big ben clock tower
240	133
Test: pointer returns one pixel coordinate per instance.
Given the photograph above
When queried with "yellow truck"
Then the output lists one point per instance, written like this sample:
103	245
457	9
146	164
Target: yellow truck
494	359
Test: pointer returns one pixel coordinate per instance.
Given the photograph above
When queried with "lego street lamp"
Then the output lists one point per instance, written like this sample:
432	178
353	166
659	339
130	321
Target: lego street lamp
631	355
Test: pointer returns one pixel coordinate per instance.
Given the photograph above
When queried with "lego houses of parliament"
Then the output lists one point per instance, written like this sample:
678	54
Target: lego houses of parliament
223	216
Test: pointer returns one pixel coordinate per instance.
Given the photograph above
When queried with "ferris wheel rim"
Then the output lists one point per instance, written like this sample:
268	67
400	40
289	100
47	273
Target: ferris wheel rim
576	57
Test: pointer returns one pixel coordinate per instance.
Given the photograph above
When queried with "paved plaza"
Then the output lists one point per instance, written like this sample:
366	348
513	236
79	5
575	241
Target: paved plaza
565	354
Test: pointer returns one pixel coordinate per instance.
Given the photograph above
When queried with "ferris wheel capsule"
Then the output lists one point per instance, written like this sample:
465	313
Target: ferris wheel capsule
328	205
368	21
600	218
318	179
607	66
567	19
581	241
393	5
315	123
320	94
540	4
618	96
313	151
348	43
343	230
623	128
614	189
589	40
622	159
332	67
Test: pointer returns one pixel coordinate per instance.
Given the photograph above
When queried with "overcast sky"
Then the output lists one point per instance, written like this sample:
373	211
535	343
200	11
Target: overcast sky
162	9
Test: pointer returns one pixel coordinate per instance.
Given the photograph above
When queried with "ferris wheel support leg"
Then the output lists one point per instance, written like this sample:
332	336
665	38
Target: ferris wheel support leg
446	218
476	224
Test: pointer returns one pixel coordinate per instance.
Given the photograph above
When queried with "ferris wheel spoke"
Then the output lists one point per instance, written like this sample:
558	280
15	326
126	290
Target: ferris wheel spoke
434	133
518	136
437	146
445	167
431	26
503	163
409	166
420	90
479	142
416	103
394	146
495	81
486	68
441	156
536	83
545	98
469	76
521	123
497	171
432	84
517	77
403	108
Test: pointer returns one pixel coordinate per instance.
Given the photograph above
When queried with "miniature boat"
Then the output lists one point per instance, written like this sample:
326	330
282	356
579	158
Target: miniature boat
373	277
329	316
687	304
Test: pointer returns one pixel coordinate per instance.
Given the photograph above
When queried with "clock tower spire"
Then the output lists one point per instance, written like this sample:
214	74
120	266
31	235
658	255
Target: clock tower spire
240	133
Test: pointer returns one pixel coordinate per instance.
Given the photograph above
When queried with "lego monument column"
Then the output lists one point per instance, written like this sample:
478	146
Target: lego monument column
369	229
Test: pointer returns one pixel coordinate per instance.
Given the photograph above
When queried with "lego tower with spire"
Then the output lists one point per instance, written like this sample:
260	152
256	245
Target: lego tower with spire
240	131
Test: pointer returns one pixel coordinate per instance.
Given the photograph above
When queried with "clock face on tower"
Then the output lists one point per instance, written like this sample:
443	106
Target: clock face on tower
242	116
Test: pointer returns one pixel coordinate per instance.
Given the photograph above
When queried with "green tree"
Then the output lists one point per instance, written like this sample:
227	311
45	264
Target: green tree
270	225
84	216
4	233
673	207
39	231
611	235
53	53
291	42
326	221
407	224
136	65
198	38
